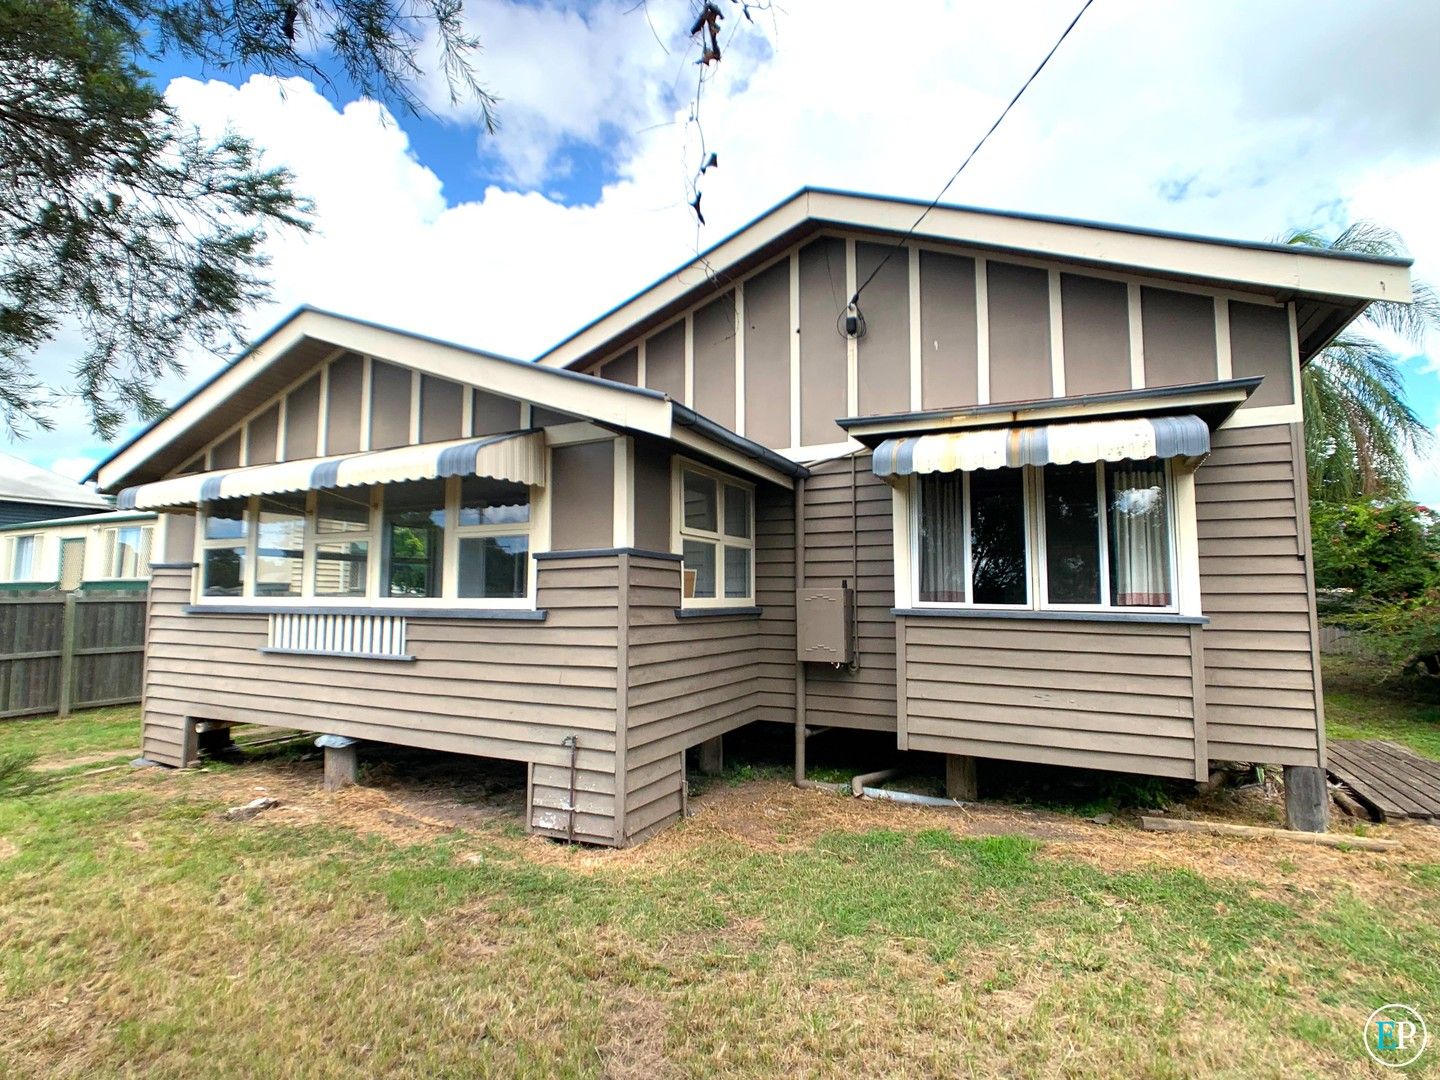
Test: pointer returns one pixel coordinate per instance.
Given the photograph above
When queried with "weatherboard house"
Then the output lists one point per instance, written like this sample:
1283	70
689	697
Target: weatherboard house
1039	496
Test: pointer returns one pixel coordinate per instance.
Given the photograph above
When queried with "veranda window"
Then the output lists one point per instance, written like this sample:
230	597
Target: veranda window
494	555
224	543
342	539
1086	536
414	529
717	545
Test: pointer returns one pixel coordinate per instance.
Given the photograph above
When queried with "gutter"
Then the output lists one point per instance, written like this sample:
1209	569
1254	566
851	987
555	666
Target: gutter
689	418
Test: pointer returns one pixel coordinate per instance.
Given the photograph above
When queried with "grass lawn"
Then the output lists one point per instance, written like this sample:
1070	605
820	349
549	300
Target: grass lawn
1359	705
396	929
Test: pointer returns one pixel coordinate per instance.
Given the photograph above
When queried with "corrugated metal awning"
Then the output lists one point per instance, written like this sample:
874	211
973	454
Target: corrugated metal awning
518	456
1133	439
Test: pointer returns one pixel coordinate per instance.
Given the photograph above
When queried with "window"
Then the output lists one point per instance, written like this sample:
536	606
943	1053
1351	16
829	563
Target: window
127	551
1079	536
414	531
717	546
280	545
494	544
224	542
341	541
429	541
24	554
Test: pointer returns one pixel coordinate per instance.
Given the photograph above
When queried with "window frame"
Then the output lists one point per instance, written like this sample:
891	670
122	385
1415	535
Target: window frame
536	529
12	553
110	547
679	533
1037	576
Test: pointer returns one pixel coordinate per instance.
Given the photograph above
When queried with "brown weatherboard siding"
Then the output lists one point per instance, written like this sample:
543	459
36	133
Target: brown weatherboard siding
1261	685
497	689
1093	695
864	698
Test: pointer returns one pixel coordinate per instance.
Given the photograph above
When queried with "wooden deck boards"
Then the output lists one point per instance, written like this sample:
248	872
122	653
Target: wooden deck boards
1388	778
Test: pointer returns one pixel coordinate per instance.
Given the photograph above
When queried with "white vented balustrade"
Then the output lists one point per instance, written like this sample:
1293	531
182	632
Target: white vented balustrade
339	634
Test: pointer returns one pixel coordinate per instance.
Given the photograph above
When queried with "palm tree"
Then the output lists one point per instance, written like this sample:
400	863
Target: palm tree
1358	425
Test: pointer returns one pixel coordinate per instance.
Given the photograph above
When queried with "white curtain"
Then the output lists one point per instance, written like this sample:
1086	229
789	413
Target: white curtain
1139	535
942	538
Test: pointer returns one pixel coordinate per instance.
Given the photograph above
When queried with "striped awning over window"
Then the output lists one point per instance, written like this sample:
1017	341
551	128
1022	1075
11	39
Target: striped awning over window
1132	439
516	456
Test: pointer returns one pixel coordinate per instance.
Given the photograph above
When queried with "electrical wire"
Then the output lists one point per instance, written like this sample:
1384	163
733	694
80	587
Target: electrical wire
855	300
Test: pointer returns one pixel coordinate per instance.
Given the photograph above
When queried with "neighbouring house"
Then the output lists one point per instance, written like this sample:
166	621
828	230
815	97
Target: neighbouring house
93	552
1038	496
30	493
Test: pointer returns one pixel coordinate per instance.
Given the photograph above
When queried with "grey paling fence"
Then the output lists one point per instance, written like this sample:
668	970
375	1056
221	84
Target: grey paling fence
65	651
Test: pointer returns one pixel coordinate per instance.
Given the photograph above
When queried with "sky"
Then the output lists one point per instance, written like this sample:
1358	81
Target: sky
1227	118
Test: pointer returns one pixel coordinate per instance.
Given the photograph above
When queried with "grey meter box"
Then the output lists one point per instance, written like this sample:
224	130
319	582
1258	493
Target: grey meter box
825	625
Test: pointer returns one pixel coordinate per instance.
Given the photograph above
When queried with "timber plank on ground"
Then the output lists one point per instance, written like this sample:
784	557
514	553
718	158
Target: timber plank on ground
1394	782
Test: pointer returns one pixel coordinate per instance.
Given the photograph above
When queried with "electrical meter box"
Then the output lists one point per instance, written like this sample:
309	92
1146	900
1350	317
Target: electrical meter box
825	625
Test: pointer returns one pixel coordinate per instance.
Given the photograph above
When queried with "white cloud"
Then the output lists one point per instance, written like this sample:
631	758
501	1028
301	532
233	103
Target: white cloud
1222	118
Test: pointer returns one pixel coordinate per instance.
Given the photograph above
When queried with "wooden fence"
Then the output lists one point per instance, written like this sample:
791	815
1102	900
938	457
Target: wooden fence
65	651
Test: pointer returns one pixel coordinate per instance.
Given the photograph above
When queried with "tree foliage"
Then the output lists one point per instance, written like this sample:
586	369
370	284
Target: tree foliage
1359	427
123	226
1375	551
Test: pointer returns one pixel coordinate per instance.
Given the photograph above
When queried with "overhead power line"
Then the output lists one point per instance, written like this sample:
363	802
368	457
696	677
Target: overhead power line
855	300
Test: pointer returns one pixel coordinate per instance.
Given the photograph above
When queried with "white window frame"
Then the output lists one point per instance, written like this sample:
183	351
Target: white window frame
679	533
12	554
110	549
1183	598
536	529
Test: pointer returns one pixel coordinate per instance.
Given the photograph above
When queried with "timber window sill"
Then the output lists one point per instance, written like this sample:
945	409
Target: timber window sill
404	658
718	612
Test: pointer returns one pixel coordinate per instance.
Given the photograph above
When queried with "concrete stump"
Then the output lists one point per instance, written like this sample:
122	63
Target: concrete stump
712	756
341	761
960	779
1307	798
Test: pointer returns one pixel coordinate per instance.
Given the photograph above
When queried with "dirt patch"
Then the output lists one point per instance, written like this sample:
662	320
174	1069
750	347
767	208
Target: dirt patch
56	762
8	849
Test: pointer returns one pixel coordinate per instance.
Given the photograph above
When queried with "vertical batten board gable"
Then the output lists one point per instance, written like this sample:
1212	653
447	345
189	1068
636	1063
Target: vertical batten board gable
982	332
367	382
582	491
665	360
689	399
345	394
1019	331
1223	364
824	385
322	411
1057	339
949	330
440	412
467	411
795	348
1095	319
767	344
284	406
852	344
393	390
492	414
261	437
912	257
712	352
1137	337
884	355
302	420
623	512
413	435
1179	333
640	363
625	368
244	444
739	426
1262	343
